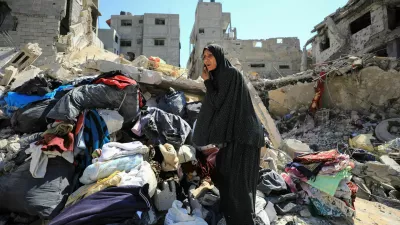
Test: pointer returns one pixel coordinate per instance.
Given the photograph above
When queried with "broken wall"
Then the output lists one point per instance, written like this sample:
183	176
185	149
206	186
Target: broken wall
271	58
371	88
347	37
38	22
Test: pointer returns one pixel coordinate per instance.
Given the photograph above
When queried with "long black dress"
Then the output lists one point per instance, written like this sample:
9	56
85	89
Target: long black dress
227	117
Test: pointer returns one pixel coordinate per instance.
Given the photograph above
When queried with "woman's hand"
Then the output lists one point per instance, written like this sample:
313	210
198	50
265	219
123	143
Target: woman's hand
205	75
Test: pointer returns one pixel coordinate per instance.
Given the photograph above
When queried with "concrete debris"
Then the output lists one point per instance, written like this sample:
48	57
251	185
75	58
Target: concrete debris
27	56
10	73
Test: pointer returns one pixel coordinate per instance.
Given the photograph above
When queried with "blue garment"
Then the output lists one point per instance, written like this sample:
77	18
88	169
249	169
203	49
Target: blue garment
112	205
14	101
95	134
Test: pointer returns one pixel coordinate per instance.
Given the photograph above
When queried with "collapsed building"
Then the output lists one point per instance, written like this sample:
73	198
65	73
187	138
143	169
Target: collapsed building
56	25
270	58
361	26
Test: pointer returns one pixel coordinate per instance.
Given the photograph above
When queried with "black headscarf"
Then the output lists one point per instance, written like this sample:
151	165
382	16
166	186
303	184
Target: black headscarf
227	113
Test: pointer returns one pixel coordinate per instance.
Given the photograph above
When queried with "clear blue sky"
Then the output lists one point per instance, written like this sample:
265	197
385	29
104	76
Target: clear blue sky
254	19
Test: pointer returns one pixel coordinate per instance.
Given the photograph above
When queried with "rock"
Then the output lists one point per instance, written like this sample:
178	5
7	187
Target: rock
387	187
363	191
394	194
3	143
10	73
294	147
378	190
14	147
394	167
305	213
359	169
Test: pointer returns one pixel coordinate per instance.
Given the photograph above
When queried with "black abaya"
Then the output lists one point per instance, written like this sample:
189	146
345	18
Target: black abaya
227	117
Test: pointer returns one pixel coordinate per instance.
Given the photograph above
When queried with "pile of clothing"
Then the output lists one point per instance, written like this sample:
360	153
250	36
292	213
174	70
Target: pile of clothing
323	180
97	151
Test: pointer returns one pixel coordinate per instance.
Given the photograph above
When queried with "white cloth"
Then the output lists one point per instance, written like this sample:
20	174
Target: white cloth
114	150
38	165
139	176
186	153
179	216
171	160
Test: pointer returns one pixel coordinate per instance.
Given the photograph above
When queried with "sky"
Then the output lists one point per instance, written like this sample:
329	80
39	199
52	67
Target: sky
254	19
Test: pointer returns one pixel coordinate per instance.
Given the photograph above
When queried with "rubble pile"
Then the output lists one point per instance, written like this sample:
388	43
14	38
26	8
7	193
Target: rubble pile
100	138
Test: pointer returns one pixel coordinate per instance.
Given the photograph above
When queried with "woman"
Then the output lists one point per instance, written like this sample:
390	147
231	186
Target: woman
227	119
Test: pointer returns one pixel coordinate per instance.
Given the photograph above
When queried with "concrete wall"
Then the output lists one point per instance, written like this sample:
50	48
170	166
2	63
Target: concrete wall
357	43
372	86
142	35
107	36
272	53
169	32
38	22
210	22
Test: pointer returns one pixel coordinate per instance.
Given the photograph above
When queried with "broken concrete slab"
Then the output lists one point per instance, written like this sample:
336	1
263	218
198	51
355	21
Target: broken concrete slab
142	76
10	72
25	76
394	167
57	71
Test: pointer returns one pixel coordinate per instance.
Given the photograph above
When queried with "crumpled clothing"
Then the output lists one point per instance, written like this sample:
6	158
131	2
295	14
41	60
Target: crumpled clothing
119	81
289	182
336	167
171	160
270	181
343	191
37	86
14	101
101	170
206	162
40	159
329	184
114	150
327	205
187	153
139	176
304	170
317	157
52	142
59	128
162	127
89	189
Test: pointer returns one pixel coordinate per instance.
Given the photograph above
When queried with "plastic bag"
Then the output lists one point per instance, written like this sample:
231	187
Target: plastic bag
112	118
362	141
179	216
174	102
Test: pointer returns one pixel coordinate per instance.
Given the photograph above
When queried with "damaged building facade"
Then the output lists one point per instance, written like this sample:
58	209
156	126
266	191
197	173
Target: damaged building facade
56	25
270	58
148	34
361	26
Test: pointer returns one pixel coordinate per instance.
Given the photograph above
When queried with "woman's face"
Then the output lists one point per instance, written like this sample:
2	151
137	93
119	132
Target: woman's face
209	60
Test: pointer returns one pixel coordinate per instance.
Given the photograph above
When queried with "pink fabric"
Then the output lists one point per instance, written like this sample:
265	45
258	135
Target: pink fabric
289	182
293	171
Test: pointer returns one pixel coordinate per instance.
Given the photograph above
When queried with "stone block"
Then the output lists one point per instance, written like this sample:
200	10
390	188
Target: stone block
28	55
10	72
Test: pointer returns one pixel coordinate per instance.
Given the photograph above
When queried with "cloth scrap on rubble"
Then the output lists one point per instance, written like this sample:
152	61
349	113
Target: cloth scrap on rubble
59	128
114	150
329	183
171	160
53	142
100	170
37	86
95	134
139	176
270	181
162	127
14	101
119	81
97	96
114	204
206	162
326	205
317	157
40	158
301	171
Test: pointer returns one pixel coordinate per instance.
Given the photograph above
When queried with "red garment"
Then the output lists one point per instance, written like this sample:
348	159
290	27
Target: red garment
289	182
319	90
119	81
206	162
52	142
79	124
317	157
353	188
